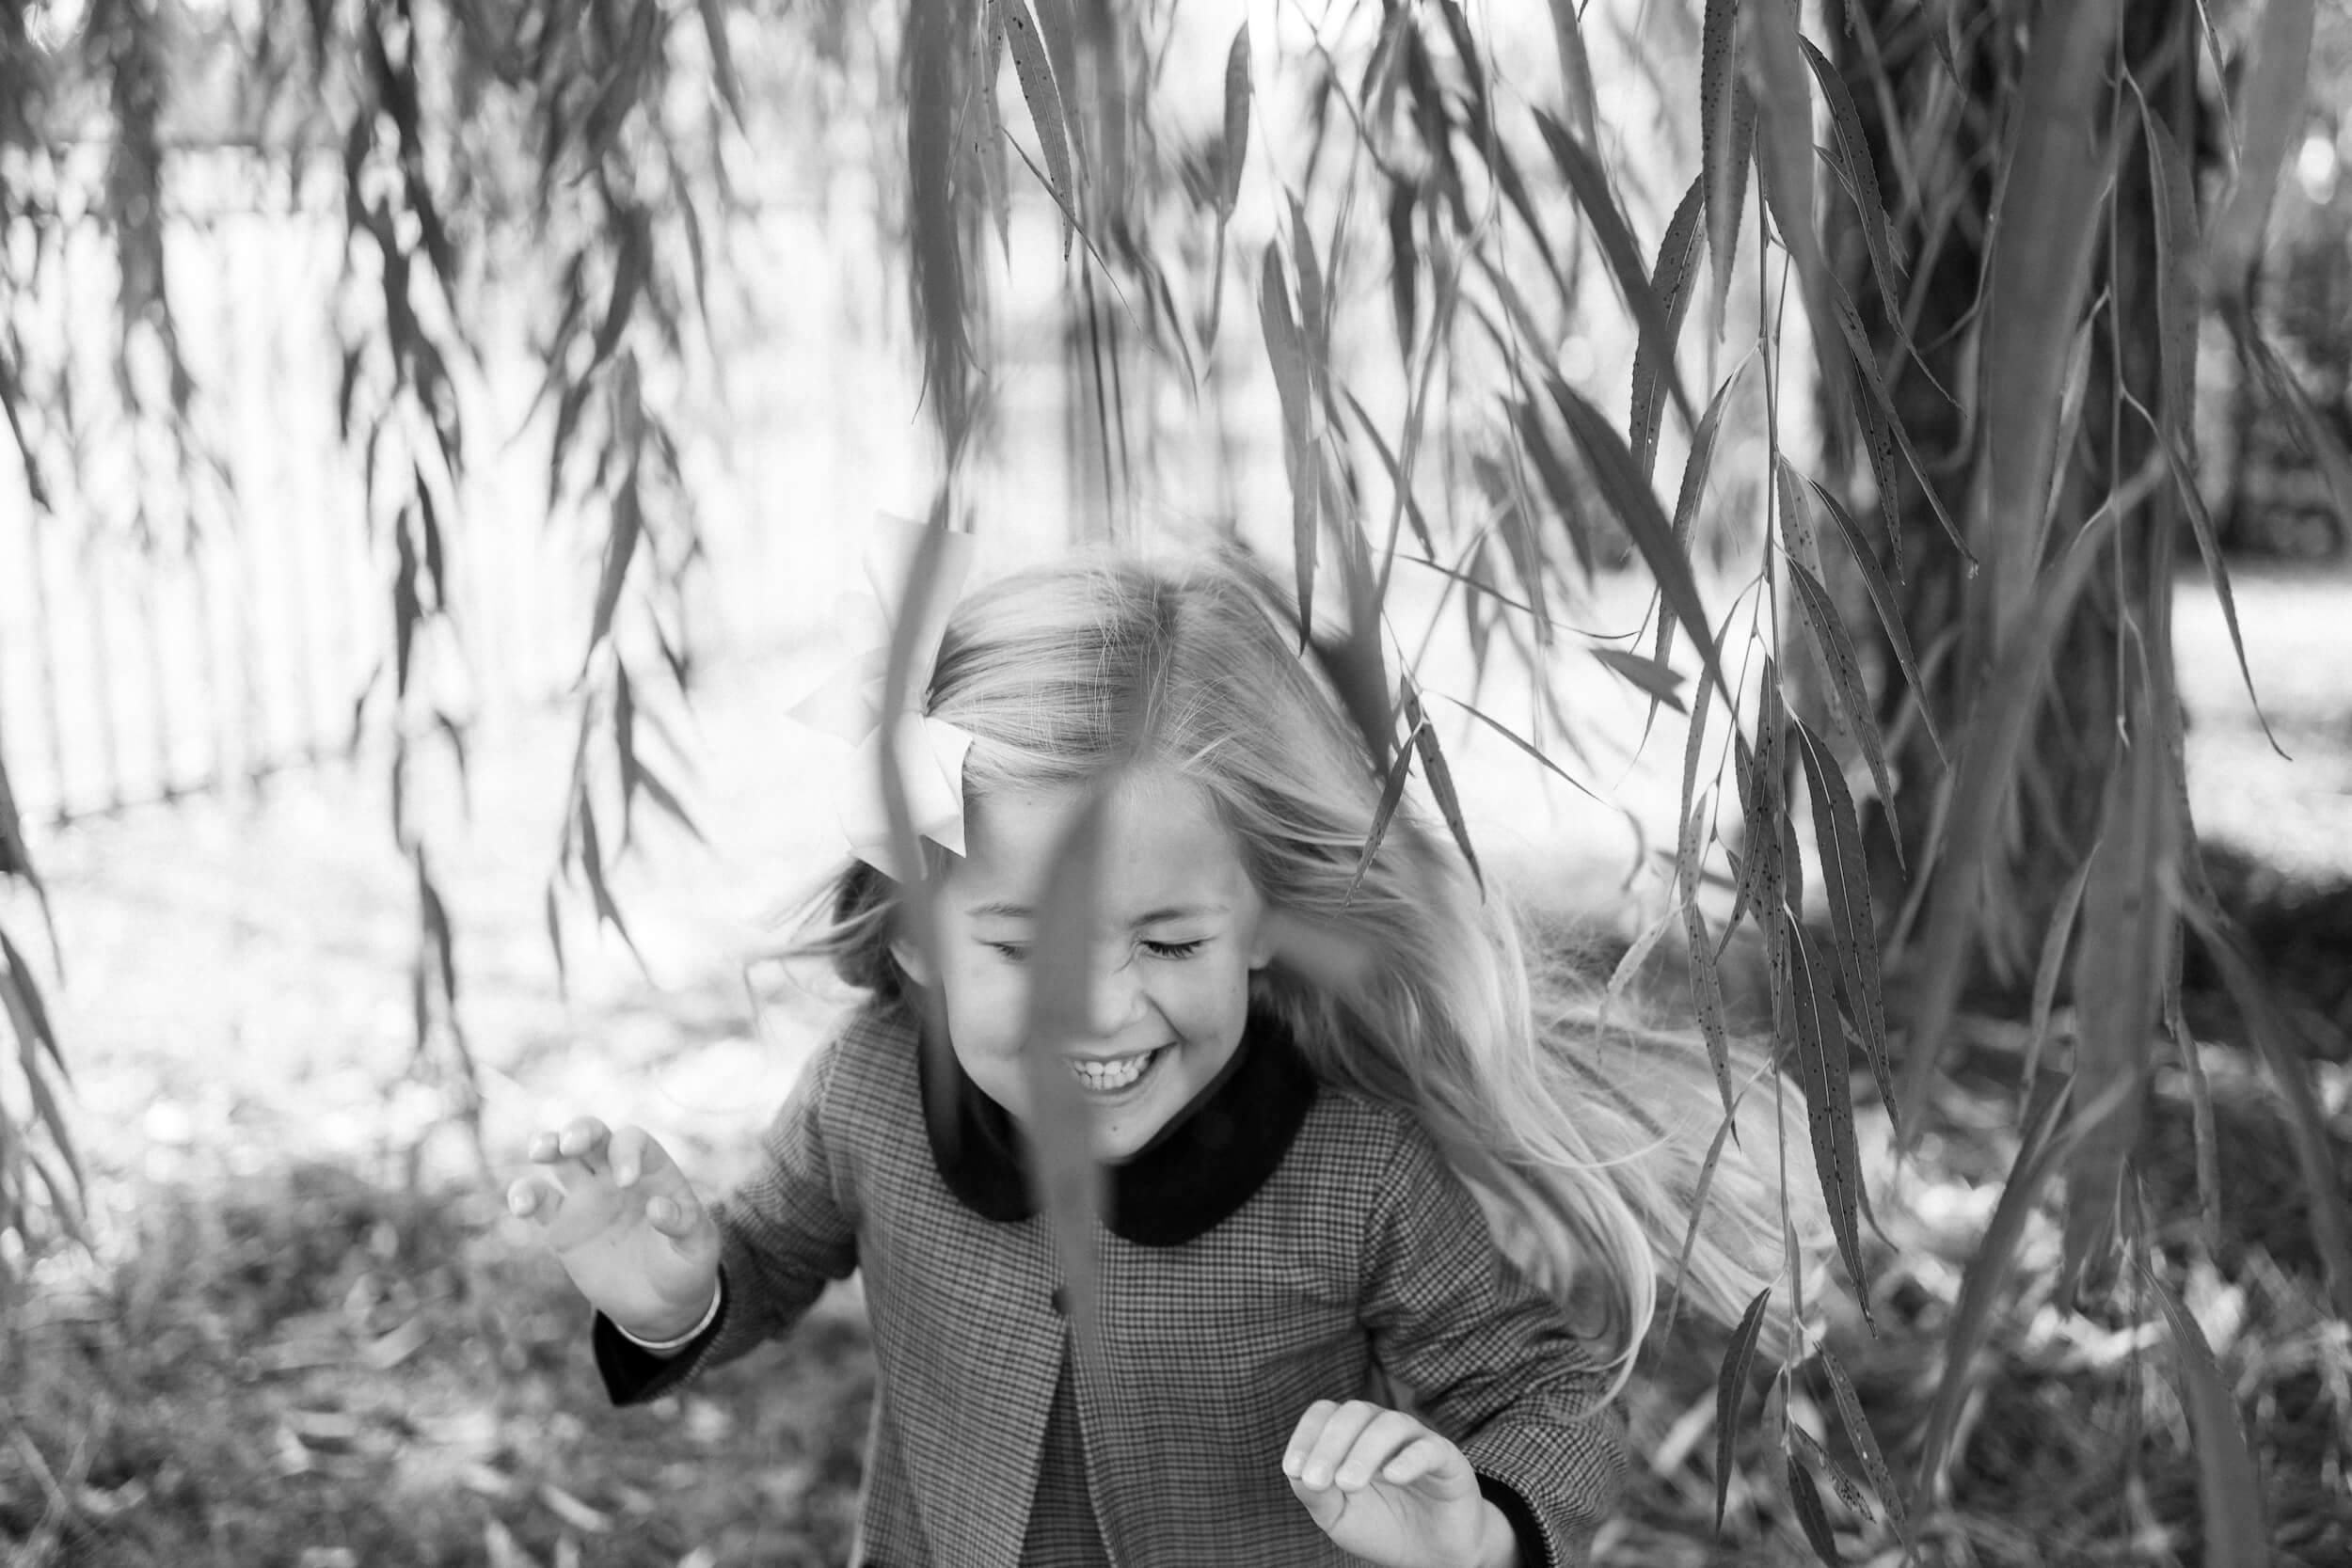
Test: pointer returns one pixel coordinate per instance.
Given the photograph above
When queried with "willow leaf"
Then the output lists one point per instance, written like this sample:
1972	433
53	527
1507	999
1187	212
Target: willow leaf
1650	674
26	1010
2053	1129
2307	1123
1060	1013
2006	706
2272	105
1630	496
1288	356
1811	1036
1671	281
1731	1381
2047	226
1514	738
1865	1444
2228	1483
1236	148
1694	489
1845	674
1580	100
1854	163
2050	966
1726	134
1440	777
1038	89
1391	792
2127	929
1398	482
1874	390
1811	1515
1846	887
1890	612
2178	248
1590	184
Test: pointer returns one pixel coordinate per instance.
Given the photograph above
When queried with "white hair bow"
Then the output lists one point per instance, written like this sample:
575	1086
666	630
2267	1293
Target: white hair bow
849	706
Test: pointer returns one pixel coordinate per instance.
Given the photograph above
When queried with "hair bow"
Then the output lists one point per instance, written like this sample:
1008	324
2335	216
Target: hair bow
849	706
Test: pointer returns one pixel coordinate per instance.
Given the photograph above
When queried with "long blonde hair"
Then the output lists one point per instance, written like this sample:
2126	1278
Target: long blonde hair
1580	1129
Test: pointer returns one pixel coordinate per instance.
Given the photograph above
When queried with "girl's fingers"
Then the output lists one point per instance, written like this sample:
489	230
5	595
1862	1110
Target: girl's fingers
1383	1438
1303	1436
535	1196
1321	1460
583	1139
1424	1455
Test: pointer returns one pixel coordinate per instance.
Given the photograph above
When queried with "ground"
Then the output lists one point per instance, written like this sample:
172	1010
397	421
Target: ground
310	1335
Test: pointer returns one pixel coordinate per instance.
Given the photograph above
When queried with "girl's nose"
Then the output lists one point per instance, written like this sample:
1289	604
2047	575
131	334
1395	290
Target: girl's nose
1114	995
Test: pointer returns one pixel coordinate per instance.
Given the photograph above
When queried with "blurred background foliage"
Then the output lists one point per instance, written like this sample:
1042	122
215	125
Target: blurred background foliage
375	370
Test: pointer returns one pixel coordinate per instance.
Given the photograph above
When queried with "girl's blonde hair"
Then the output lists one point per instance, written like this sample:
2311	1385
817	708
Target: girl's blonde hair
1582	1135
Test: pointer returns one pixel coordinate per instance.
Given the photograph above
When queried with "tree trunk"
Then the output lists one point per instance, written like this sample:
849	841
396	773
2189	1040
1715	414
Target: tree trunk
1937	170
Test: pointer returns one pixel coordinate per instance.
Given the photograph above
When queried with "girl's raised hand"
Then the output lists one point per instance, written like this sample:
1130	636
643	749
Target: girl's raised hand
625	1222
1387	1489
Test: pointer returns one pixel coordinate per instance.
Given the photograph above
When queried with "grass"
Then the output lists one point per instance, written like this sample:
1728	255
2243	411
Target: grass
311	1366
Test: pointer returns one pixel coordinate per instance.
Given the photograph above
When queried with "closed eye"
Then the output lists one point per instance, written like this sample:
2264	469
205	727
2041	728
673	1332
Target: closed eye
1175	949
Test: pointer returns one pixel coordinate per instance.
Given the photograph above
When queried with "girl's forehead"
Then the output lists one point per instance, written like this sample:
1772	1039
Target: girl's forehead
1161	838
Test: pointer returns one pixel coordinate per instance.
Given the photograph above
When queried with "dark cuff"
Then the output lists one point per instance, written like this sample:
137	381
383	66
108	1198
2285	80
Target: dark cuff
633	1375
1533	1552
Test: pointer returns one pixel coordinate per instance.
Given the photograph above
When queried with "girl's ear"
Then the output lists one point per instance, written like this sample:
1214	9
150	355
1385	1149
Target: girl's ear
1261	940
916	962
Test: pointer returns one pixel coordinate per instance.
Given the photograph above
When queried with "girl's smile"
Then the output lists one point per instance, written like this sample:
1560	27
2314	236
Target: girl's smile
1180	928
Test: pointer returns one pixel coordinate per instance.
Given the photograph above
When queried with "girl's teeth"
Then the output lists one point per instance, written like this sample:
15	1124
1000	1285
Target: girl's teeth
1110	1077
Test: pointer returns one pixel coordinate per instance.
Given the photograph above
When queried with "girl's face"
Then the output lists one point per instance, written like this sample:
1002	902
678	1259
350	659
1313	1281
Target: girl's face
1180	926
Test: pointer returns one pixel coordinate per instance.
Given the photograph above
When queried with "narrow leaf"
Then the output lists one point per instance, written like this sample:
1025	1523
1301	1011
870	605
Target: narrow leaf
1440	778
1694	489
1731	1381
1235	150
1846	887
1636	507
1814	1039
2047	1143
2047	970
1579	102
1889	611
1065	1176
2127	928
1038	87
2229	1484
1845	674
1707	991
1400	768
1727	129
1854	153
1865	1444
2178	248
1811	1515
2307	1123
1590	184
1671	281
2046	228
1288	357
2272	102
1508	733
1882	405
1649	674
1398	482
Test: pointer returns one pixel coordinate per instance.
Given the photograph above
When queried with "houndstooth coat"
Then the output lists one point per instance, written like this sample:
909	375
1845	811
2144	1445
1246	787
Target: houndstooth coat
1288	1244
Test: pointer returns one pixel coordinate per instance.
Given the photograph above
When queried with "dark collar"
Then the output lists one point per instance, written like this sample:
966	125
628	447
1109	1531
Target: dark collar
1206	1163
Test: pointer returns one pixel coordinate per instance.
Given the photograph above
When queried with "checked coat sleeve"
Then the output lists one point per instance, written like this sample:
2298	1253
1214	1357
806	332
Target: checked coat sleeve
783	1234
1491	1359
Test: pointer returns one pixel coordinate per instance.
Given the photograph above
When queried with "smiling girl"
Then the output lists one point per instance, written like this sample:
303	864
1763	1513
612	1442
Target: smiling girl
1429	1171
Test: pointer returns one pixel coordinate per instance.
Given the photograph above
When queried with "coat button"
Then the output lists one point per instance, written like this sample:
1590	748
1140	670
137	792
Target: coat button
1060	1301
